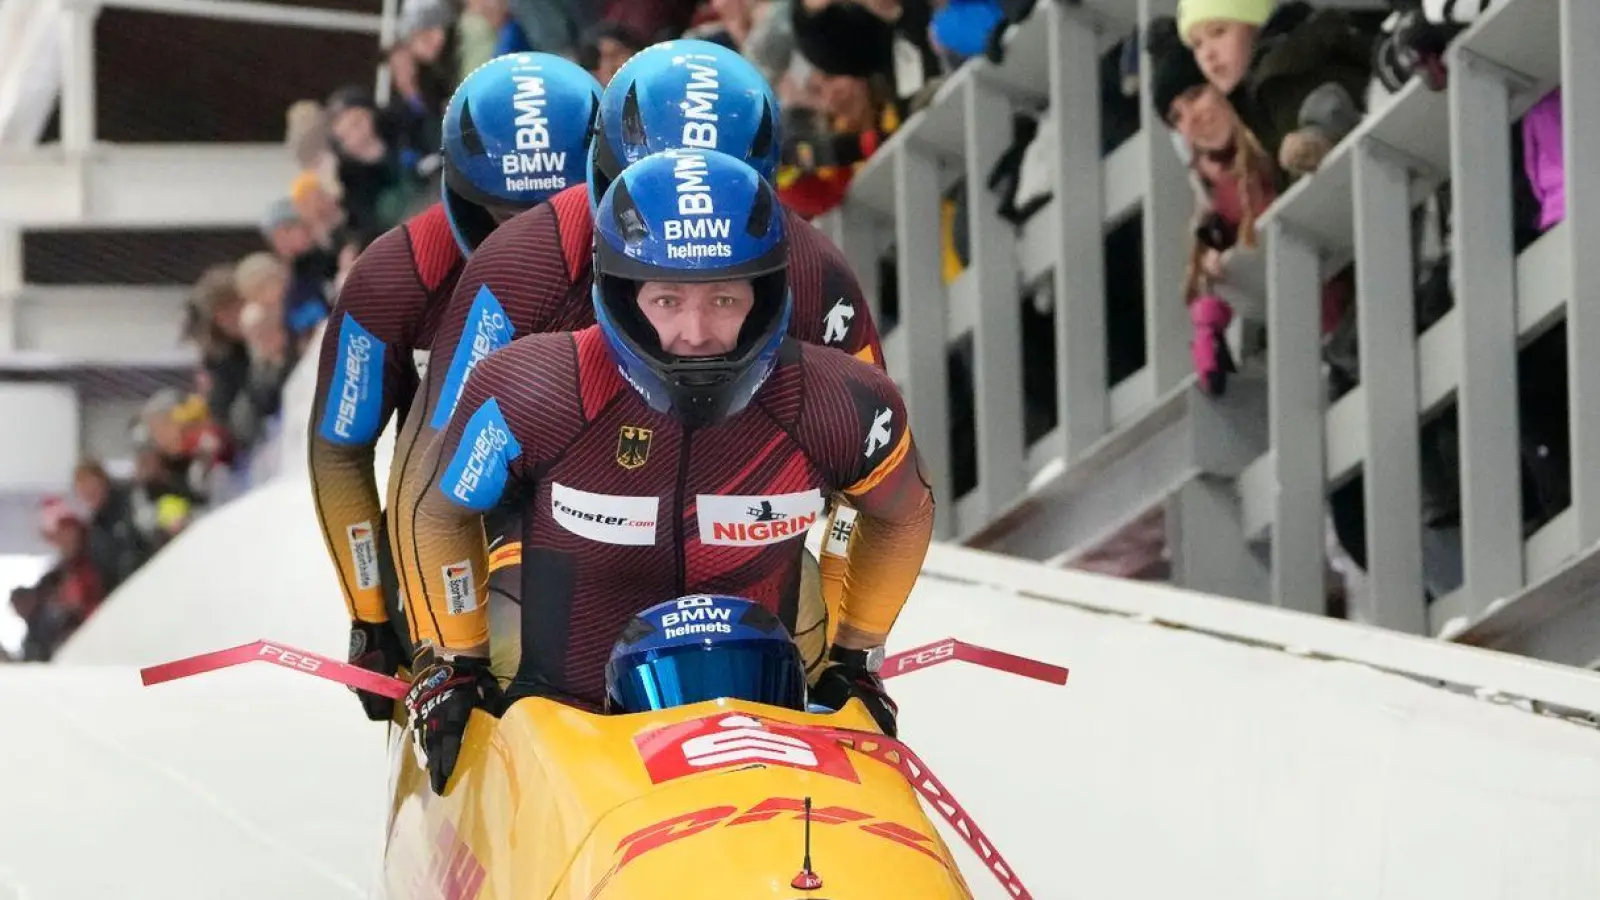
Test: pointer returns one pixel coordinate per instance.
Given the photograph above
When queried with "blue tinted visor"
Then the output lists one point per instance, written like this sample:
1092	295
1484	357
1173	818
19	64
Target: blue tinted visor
768	672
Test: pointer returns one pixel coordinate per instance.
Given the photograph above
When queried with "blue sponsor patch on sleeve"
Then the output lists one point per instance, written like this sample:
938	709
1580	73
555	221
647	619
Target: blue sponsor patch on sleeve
355	397
487	330
477	473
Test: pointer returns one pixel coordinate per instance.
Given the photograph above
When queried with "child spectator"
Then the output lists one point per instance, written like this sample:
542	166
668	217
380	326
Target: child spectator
1292	72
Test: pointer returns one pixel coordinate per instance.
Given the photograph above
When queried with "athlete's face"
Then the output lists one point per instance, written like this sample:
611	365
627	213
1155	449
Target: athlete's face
697	319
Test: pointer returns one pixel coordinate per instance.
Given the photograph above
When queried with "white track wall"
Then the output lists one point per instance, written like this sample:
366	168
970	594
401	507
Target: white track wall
1203	747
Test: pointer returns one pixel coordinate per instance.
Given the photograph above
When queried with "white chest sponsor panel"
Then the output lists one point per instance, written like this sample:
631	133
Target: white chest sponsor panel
607	518
758	519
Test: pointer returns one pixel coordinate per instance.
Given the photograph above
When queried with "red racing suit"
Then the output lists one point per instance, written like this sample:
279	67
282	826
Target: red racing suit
533	275
374	352
623	508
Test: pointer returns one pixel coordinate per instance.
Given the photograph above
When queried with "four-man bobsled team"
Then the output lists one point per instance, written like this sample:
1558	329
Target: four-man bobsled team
622	371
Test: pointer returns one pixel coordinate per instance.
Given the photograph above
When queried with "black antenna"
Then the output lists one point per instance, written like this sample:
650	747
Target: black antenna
807	880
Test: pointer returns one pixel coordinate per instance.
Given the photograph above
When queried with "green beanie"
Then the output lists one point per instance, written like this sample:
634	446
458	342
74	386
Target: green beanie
1250	12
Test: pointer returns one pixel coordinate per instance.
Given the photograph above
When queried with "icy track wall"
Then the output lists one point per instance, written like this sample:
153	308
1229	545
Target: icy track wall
1190	754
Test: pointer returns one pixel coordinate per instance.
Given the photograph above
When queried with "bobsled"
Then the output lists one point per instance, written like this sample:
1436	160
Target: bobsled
722	799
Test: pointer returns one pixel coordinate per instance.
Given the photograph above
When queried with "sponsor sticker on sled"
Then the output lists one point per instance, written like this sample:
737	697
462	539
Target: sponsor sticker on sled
733	741
363	555
459	592
787	809
756	520
607	518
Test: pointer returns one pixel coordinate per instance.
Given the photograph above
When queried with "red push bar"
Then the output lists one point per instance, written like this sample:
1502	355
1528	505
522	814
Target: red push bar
277	654
952	649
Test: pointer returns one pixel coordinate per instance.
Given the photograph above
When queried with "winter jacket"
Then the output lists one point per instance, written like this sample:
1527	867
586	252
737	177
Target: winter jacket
848	39
1543	158
1298	50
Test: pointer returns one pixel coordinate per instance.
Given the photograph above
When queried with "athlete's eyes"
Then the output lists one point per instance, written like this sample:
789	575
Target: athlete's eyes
664	301
724	301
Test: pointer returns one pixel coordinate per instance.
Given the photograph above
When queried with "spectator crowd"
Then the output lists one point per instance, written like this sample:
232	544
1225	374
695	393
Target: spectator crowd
847	72
1256	93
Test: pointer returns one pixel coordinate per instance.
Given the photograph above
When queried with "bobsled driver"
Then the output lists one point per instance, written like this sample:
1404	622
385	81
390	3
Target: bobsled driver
682	444
704	647
534	274
515	132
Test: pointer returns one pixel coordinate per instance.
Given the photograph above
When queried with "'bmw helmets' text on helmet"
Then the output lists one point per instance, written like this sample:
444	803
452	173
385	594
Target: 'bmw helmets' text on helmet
704	647
516	131
691	216
689	94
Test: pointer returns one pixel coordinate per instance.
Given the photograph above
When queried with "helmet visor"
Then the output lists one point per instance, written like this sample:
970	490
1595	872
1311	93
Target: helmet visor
768	672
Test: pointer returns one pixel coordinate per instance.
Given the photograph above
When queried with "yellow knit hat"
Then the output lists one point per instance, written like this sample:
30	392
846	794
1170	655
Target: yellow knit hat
1250	12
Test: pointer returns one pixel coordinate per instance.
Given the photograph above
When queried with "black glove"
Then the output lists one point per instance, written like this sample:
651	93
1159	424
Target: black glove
847	676
442	697
375	647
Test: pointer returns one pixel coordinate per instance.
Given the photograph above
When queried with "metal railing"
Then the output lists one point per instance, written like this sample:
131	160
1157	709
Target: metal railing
1052	63
1268	512
1357	208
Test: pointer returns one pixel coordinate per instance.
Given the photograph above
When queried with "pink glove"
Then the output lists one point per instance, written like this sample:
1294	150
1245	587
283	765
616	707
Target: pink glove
1208	349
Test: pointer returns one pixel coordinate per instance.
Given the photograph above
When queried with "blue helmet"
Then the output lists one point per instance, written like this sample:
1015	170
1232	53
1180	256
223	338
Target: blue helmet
516	131
684	93
704	647
691	216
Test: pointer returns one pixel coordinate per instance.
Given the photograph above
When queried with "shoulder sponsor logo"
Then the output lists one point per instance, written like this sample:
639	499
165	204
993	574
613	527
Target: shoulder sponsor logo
633	446
606	518
477	473
756	520
460	591
533	167
355	396
487	330
363	555
879	435
836	323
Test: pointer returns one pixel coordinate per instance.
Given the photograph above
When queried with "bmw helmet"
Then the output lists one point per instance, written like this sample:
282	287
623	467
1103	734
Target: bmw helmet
691	216
684	93
704	647
516	131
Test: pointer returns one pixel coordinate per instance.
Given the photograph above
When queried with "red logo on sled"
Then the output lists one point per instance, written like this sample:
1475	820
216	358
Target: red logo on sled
732	741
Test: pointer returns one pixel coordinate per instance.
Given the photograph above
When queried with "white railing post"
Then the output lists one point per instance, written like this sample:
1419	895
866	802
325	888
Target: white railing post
77	75
923	320
997	327
1484	273
1295	418
1580	104
10	286
1386	324
1079	278
1168	208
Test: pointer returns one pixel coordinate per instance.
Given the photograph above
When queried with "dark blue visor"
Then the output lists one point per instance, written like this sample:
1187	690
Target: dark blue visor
768	672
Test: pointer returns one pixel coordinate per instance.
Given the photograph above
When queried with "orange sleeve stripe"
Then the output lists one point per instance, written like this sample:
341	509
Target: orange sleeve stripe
866	355
885	468
505	557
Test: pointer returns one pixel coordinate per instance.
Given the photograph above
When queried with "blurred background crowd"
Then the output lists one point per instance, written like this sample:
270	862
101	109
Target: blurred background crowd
1255	93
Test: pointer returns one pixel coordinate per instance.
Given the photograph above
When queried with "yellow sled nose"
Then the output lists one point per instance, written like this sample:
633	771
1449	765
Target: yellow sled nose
705	802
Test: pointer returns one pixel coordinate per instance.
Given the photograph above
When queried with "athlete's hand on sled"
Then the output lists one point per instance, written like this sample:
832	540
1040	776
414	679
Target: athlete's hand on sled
444	692
850	674
375	647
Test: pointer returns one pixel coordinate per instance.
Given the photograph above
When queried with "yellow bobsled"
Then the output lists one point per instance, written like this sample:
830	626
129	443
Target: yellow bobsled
717	800
707	801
